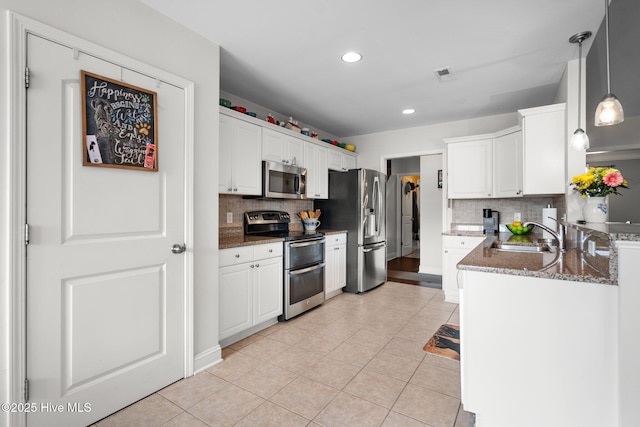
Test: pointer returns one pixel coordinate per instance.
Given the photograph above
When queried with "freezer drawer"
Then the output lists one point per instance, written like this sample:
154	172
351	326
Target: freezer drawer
374	266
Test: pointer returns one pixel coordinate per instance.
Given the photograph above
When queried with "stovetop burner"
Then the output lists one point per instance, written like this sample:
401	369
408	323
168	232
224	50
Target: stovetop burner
275	224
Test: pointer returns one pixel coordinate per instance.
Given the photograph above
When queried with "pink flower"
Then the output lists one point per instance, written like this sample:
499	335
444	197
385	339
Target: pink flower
613	179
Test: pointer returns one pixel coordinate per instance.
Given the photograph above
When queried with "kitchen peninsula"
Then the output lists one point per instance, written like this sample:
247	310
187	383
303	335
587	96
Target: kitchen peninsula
548	337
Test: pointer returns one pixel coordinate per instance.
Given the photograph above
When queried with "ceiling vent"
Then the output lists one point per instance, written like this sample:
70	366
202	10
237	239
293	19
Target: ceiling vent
445	74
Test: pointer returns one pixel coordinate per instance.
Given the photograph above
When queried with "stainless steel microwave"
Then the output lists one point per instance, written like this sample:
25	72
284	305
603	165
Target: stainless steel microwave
281	181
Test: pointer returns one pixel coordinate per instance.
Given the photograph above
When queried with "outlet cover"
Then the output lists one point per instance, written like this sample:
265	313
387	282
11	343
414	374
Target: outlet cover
517	216
229	217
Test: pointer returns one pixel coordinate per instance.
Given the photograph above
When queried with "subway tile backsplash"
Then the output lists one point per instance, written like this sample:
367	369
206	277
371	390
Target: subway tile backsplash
469	211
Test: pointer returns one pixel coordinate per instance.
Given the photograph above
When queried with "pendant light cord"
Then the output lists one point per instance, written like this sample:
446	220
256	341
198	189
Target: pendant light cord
579	83
606	29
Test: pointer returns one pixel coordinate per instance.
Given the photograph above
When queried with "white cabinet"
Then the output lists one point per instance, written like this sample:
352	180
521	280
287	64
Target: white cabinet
239	166
341	161
317	171
454	249
541	347
250	283
282	148
470	167
544	140
507	162
335	270
629	318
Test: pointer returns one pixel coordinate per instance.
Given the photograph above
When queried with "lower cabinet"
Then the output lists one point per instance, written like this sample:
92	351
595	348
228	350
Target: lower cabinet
454	249
335	264
250	283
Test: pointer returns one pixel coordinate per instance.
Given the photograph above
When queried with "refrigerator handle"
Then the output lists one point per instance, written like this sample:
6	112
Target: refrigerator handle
374	248
377	202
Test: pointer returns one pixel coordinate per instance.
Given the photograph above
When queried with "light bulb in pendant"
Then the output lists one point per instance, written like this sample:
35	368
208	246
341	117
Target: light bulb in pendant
580	140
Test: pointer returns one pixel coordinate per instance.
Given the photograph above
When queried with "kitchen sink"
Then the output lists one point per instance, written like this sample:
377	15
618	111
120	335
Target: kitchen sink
529	248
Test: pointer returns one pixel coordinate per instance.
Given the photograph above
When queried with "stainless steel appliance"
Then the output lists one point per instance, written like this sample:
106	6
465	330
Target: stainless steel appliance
282	181
357	204
303	274
490	221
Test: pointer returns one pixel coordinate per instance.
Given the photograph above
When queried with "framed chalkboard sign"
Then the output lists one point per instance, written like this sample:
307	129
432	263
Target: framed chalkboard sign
119	124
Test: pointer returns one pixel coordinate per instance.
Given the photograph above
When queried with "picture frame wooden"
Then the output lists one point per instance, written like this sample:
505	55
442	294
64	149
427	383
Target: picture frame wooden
119	124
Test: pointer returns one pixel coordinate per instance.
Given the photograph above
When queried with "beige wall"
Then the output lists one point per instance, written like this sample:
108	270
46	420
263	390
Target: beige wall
131	28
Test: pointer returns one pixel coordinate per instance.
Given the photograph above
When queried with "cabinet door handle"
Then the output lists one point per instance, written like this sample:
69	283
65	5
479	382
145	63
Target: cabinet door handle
252	266
270	250
257	265
446	252
237	255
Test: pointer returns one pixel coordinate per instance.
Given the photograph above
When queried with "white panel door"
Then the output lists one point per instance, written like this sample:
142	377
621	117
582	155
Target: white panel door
105	294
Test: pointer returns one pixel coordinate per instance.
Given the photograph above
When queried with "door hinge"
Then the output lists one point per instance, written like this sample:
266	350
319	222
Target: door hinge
26	77
26	390
26	234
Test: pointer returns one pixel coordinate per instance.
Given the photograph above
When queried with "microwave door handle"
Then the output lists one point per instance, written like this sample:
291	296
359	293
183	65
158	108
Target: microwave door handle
296	183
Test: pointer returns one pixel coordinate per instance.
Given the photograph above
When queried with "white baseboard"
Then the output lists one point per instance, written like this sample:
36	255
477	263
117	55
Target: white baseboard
429	269
207	359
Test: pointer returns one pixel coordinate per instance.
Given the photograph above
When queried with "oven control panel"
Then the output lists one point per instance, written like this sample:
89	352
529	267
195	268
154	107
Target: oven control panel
267	217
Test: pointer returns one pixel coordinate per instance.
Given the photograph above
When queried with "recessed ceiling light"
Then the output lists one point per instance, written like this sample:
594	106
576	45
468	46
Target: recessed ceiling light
409	111
351	57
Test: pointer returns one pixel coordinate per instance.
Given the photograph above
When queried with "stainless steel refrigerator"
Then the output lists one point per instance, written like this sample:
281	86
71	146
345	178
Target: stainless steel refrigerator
357	204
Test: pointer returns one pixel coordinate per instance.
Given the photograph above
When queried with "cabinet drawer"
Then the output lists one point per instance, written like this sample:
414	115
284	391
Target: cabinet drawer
461	242
234	256
335	239
267	251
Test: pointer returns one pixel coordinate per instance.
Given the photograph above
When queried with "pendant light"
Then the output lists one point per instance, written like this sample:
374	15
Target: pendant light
580	140
609	111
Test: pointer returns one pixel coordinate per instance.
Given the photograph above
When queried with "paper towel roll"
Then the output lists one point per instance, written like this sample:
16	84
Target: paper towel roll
547	214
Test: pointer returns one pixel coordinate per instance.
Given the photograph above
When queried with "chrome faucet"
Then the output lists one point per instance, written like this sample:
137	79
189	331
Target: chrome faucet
559	235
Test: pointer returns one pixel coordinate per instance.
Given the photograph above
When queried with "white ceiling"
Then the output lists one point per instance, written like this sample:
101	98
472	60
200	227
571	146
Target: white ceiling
285	56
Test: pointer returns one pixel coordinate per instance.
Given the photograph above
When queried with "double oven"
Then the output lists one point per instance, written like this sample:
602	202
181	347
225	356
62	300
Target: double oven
303	264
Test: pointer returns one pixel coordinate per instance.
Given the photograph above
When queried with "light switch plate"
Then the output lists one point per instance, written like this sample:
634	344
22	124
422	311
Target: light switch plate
229	217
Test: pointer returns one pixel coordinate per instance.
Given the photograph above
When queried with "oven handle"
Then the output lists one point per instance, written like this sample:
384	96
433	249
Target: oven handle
308	269
309	243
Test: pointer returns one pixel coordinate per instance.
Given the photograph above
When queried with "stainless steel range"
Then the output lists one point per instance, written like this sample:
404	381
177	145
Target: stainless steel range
303	274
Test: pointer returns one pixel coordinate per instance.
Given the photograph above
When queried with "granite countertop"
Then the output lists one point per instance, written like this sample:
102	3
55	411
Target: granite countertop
613	230
330	232
234	240
570	265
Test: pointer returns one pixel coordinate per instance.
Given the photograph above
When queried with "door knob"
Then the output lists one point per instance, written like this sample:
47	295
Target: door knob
178	249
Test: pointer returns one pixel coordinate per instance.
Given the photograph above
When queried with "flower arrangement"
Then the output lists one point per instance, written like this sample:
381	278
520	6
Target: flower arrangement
599	182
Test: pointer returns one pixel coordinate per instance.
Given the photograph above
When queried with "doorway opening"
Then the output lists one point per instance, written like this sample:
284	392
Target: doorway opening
414	220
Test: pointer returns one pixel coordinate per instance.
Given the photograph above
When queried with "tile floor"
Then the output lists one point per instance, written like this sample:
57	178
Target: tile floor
355	361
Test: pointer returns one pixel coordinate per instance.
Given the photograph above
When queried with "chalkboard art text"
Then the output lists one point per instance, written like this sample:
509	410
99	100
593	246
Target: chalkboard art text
119	124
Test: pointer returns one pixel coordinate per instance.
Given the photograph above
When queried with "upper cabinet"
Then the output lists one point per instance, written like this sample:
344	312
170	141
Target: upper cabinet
507	160
282	148
339	161
522	160
239	170
543	137
246	141
317	171
470	167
